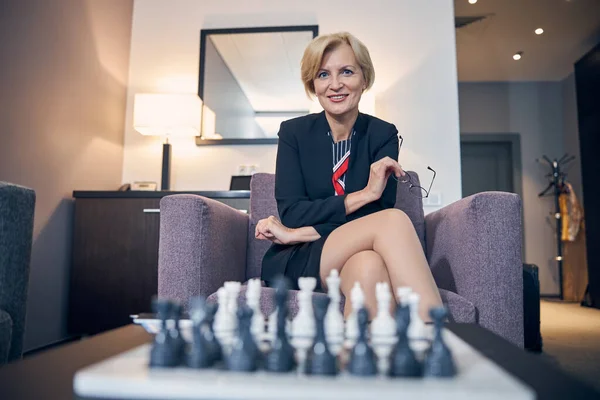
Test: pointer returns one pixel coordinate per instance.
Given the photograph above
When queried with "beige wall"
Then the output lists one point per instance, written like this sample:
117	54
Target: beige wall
415	86
62	106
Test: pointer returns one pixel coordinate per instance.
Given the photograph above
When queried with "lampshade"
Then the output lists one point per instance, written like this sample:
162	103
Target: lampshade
158	114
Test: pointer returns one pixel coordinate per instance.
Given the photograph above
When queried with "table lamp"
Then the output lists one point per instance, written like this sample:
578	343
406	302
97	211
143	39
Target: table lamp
157	114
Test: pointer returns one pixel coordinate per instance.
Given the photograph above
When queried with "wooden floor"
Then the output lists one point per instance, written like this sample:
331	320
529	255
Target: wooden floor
571	338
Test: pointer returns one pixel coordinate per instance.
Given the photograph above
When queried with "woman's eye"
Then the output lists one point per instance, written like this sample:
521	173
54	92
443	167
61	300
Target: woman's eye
348	72
322	75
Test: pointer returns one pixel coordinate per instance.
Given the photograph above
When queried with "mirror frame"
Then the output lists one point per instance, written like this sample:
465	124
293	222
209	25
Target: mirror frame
203	34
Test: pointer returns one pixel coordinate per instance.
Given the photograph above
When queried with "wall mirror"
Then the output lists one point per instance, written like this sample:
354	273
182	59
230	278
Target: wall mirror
249	81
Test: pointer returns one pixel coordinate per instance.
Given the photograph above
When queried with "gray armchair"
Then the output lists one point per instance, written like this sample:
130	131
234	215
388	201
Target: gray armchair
473	247
16	229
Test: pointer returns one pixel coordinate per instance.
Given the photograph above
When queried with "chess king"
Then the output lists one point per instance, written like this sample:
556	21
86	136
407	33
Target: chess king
334	194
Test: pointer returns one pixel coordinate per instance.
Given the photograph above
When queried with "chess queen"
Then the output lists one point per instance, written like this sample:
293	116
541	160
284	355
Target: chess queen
334	194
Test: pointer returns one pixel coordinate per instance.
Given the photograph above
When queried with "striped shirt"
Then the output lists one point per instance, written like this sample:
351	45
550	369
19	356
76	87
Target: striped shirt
340	152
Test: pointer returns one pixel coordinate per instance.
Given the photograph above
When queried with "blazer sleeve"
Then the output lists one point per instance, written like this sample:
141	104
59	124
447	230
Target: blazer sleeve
295	208
389	148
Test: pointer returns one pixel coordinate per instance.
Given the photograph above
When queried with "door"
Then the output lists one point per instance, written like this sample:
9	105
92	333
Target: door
491	162
486	166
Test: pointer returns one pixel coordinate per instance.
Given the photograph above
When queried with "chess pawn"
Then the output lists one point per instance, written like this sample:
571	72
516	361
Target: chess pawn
357	299
334	320
244	355
257	326
320	361
163	352
280	358
402	293
362	358
303	326
179	343
417	330
439	362
383	327
403	361
209	334
200	355
222	323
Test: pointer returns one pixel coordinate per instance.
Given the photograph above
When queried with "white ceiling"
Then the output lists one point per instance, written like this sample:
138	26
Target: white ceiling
485	48
267	67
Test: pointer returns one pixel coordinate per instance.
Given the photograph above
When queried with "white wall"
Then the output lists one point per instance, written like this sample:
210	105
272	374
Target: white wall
415	85
535	111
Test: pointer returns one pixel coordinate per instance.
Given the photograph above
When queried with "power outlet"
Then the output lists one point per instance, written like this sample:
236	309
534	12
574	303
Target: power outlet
434	199
252	169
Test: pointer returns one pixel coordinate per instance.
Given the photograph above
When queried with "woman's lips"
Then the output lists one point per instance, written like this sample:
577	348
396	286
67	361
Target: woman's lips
338	98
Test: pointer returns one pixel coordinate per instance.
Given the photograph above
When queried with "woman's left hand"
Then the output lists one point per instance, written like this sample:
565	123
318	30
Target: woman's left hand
272	229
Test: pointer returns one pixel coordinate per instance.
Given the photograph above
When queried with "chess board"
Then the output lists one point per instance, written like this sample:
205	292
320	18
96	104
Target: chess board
127	375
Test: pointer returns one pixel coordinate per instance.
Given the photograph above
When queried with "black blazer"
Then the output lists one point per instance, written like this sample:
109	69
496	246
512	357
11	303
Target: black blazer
303	188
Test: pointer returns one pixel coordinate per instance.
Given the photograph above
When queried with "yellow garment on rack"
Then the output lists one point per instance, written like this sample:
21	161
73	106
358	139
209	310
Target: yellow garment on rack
571	214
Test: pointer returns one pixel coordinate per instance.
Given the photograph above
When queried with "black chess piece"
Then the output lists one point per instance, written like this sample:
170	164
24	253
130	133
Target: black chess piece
319	360
362	358
280	357
403	361
200	355
213	343
244	354
163	352
179	344
439	361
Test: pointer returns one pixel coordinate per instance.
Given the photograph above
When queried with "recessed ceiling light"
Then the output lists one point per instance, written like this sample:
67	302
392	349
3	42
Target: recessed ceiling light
539	31
517	56
472	1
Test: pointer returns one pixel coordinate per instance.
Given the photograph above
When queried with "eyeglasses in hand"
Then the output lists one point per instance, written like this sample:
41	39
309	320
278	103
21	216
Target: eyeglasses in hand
413	188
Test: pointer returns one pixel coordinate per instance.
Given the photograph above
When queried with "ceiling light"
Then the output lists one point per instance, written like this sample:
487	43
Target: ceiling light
517	55
539	31
472	1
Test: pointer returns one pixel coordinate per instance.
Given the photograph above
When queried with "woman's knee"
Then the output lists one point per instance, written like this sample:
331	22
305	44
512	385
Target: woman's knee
366	267
395	216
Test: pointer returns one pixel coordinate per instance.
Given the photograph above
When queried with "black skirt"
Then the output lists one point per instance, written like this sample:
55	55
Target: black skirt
293	261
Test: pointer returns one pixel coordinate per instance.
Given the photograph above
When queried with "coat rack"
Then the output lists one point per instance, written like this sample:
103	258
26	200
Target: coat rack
556	184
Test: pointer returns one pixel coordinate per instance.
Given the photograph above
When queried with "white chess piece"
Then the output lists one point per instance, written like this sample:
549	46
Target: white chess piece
232	290
257	326
220	324
334	320
417	330
383	327
357	299
303	325
402	295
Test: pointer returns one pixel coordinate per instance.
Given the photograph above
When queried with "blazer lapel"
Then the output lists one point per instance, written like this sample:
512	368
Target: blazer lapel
321	155
360	127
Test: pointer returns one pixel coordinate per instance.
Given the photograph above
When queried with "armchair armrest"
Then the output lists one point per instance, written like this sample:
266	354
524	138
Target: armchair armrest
474	250
202	244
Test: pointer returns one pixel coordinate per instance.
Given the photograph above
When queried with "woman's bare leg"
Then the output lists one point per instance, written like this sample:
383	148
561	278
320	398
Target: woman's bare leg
390	234
367	268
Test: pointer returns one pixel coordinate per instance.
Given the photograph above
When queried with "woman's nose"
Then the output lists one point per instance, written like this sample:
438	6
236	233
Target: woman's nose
336	83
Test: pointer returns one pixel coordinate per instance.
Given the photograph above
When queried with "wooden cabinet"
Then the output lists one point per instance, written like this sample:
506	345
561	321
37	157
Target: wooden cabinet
114	271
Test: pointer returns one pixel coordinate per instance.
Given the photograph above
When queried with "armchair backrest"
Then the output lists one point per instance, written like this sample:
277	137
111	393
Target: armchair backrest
262	204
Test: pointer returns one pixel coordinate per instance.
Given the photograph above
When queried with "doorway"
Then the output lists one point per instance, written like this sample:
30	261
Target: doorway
491	162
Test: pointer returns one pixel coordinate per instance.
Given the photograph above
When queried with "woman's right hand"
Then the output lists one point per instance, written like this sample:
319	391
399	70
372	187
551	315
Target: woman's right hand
379	174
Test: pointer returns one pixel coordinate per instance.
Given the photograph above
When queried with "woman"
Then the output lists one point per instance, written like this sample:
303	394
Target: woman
332	188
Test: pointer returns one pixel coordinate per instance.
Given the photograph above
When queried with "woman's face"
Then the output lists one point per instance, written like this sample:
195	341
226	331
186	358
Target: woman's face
339	82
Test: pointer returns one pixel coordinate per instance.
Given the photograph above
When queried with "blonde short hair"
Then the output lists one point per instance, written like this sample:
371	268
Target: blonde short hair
316	49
